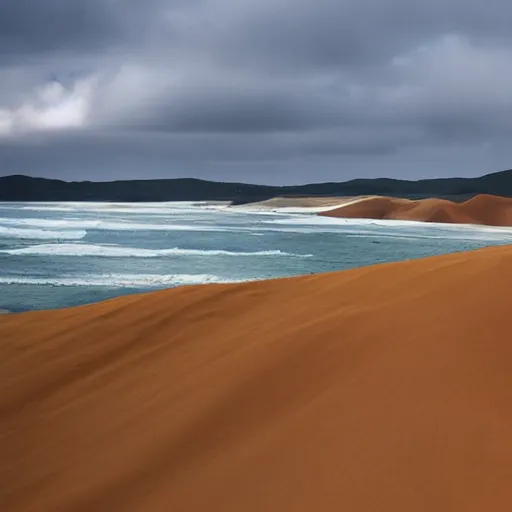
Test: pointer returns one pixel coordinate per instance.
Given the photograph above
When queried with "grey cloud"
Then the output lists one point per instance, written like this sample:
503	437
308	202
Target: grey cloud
232	110
297	34
32	27
108	156
200	86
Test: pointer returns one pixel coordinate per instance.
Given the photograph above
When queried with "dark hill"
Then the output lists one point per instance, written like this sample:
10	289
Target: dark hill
25	188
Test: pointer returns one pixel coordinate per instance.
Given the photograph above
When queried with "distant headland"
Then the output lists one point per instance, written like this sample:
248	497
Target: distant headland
26	188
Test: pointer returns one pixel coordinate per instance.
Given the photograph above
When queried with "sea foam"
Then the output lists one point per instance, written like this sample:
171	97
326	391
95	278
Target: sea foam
119	280
41	234
104	225
373	228
115	251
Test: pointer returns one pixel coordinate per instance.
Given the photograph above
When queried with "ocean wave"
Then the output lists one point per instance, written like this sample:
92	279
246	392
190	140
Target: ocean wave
104	225
390	228
41	234
315	220
115	251
163	208
120	280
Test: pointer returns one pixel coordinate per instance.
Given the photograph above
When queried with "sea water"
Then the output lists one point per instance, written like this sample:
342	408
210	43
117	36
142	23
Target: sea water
55	255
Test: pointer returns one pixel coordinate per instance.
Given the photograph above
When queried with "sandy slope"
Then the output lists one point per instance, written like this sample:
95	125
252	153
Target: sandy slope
481	209
386	388
298	204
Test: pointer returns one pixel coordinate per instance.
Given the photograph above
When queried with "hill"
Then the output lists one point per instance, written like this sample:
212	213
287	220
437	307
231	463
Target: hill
384	388
25	188
481	209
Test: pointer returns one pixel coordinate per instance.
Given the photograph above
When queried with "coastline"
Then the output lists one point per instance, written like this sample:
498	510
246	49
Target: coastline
315	388
80	261
308	204
482	209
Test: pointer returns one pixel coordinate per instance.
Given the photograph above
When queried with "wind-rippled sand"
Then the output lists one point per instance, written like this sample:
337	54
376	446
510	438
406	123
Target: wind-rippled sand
386	388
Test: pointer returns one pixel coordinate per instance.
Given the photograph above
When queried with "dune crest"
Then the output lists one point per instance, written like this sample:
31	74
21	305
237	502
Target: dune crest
482	209
384	388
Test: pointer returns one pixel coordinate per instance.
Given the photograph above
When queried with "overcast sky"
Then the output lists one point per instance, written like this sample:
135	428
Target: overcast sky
268	91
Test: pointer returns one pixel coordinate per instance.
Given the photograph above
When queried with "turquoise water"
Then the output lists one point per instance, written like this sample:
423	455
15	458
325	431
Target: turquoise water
54	255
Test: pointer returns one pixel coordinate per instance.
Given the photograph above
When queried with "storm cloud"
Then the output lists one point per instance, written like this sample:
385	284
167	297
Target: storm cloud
265	91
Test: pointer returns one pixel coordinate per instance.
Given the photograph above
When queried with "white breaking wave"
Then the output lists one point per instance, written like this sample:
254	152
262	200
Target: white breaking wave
41	234
121	280
114	251
322	221
163	208
105	225
391	228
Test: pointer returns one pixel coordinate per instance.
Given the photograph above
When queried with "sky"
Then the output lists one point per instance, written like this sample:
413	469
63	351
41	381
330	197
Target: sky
263	91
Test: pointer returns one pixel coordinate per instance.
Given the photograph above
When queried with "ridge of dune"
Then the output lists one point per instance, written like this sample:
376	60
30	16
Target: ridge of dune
382	388
482	209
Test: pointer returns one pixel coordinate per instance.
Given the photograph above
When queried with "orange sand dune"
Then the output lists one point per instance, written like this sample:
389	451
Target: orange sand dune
481	209
386	388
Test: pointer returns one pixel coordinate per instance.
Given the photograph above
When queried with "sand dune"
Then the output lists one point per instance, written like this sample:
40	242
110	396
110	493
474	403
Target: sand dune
386	388
481	209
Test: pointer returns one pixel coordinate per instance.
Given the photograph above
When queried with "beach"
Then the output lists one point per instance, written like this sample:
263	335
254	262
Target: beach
482	209
305	204
384	388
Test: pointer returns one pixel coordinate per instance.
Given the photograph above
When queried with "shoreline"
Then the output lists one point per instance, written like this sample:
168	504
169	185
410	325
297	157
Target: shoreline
279	204
91	288
480	210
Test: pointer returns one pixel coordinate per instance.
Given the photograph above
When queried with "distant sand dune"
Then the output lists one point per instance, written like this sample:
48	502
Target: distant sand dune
387	388
481	209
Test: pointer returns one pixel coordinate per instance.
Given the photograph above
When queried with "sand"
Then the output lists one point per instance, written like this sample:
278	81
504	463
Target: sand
482	209
298	204
387	388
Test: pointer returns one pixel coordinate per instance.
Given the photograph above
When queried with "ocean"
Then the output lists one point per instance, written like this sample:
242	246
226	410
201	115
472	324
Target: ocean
55	255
